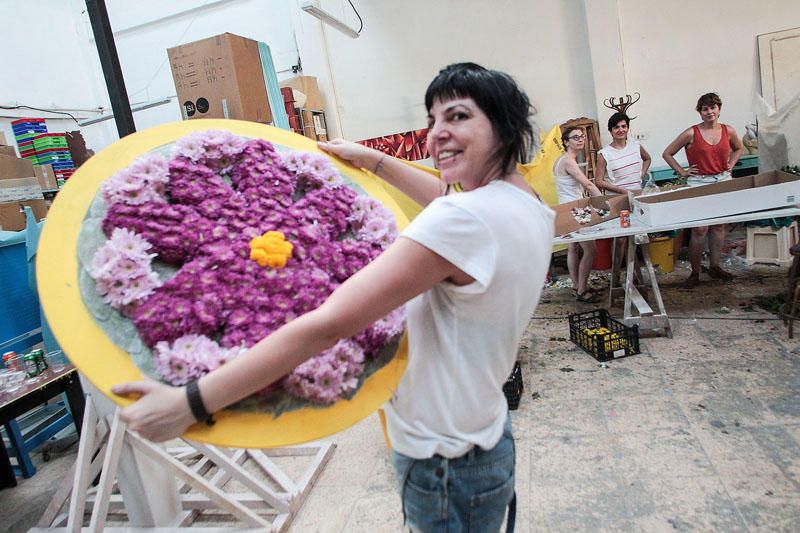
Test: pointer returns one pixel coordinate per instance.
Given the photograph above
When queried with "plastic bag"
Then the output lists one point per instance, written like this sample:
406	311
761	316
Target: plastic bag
778	134
650	186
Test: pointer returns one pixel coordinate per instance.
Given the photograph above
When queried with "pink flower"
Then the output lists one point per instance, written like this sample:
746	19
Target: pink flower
198	212
121	268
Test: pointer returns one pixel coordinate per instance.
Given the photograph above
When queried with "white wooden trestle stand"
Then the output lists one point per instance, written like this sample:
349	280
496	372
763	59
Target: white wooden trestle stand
646	318
169	489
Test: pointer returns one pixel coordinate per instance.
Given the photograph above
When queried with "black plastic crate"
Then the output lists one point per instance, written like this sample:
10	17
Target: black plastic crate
615	340
512	388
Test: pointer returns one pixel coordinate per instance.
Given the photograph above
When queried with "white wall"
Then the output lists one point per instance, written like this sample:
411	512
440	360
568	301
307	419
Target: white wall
45	64
675	51
68	67
380	78
568	55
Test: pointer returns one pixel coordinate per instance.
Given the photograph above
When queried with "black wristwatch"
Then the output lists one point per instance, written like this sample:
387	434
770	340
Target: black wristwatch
196	404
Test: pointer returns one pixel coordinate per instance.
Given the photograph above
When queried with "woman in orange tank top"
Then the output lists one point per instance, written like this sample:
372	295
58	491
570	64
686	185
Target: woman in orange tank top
712	149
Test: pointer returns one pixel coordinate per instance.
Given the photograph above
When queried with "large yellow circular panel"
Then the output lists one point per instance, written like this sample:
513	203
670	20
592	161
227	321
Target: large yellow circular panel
105	364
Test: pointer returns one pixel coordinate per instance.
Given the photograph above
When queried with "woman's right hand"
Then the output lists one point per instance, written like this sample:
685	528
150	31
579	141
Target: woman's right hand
691	171
356	154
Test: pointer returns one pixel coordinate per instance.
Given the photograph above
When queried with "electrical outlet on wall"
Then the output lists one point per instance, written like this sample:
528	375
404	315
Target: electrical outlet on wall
640	136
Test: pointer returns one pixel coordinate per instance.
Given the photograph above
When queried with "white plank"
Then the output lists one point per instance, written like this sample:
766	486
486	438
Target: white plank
109	474
243	476
84	461
186	474
272	470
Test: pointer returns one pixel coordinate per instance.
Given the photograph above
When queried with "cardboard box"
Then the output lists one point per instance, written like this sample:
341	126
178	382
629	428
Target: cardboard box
15	167
769	190
17	190
308	86
12	216
46	176
5	148
308	125
220	77
567	223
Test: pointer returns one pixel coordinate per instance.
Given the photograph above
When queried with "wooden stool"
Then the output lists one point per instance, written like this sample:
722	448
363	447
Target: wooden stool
793	292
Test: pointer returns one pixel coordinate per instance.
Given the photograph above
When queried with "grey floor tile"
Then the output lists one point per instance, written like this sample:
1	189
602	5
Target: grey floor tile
375	513
655	411
759	467
783	403
613	379
662	454
572	459
695	504
568	418
703	376
727	408
610	504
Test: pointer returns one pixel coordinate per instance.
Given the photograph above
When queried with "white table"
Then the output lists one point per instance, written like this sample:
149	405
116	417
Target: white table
647	318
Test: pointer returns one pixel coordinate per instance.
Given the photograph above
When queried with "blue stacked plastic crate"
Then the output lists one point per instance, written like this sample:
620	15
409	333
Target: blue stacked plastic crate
43	148
24	130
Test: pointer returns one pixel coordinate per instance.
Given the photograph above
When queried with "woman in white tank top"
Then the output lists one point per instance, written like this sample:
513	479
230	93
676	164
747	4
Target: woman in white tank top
621	166
570	185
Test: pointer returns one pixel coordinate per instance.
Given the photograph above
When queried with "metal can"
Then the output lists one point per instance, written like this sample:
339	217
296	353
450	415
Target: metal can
41	362
32	367
625	219
60	182
11	360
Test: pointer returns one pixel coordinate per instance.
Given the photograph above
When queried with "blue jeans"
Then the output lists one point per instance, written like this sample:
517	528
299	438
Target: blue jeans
469	493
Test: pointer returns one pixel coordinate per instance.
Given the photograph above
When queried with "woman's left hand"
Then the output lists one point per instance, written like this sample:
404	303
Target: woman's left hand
161	412
356	154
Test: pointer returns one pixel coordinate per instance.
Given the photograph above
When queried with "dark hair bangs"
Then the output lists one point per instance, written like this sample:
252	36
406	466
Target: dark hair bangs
498	96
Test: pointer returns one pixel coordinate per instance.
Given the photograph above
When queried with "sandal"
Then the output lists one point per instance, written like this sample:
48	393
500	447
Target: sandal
588	297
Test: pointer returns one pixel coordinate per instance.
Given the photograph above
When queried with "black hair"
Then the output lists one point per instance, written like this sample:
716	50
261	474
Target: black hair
616	117
498	96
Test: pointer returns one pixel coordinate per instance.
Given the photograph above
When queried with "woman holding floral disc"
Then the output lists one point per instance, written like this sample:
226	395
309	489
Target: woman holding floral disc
470	267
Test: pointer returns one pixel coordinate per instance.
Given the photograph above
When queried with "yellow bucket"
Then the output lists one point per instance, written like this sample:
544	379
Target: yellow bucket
662	254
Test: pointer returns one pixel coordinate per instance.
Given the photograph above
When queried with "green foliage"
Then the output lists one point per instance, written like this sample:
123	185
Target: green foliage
792	169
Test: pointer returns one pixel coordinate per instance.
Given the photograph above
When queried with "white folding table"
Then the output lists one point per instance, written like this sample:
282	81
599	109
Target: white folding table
646	317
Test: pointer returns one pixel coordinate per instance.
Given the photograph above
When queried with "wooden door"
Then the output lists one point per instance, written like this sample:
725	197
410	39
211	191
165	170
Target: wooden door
778	54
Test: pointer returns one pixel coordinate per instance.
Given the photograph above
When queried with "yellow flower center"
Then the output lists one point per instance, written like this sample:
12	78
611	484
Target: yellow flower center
271	249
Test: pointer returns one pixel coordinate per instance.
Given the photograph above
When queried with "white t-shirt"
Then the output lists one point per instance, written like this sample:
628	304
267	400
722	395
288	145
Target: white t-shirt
463	340
624	166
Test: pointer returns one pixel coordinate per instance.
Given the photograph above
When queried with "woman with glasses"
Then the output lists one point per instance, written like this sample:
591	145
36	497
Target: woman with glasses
621	166
571	183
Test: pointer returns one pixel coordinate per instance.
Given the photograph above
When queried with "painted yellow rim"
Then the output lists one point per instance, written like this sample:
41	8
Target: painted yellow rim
104	364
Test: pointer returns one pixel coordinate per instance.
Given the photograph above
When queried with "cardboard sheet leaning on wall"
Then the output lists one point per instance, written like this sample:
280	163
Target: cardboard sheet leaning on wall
778	134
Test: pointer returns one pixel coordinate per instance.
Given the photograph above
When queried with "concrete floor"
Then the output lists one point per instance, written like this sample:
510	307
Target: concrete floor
700	432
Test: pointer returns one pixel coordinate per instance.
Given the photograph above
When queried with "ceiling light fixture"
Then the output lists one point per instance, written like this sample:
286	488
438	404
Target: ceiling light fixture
311	8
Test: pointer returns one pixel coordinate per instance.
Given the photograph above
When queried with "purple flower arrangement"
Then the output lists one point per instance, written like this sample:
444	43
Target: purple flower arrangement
256	238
